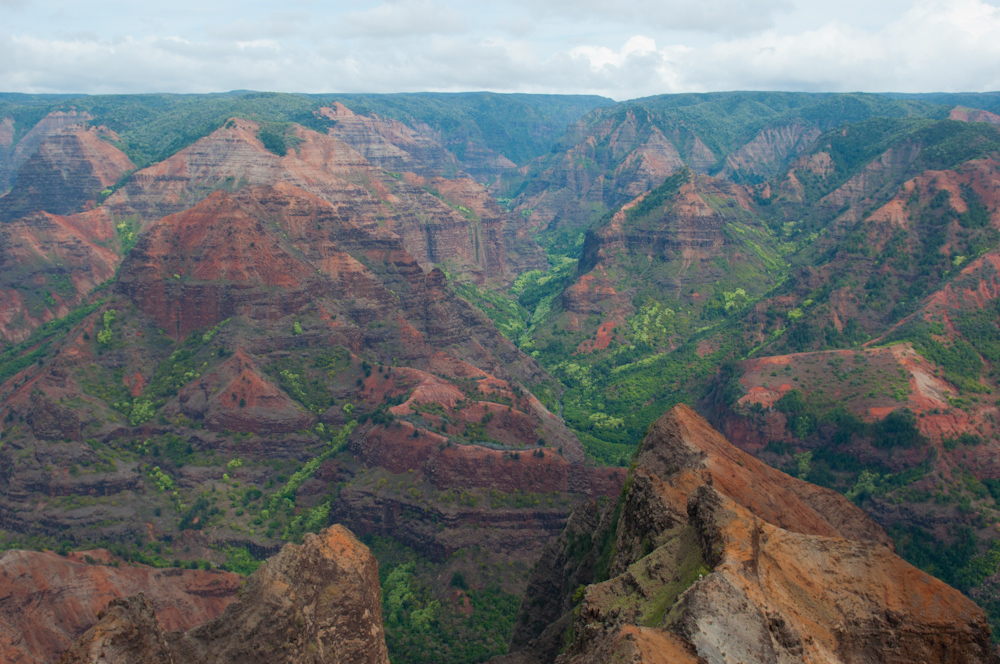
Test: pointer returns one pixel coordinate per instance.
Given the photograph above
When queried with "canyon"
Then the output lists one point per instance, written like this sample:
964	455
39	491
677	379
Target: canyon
448	332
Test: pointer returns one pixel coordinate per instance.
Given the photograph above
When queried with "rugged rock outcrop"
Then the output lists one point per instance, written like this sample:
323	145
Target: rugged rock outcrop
126	632
315	602
318	602
713	557
66	593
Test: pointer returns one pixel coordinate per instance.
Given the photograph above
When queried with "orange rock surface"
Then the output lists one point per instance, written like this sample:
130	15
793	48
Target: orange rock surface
738	562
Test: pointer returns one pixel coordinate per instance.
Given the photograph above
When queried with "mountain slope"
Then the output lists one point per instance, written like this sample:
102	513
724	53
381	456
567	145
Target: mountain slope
615	153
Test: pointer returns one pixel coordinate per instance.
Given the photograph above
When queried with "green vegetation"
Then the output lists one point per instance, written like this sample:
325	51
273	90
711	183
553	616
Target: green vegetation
897	429
128	233
425	623
959	359
659	196
504	311
686	559
958	561
38	346
337	444
239	560
273	141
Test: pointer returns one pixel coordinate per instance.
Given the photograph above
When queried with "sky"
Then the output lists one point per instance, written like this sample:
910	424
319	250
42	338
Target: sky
621	49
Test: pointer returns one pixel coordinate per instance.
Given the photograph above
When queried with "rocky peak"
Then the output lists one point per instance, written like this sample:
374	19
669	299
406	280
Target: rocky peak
710	556
27	145
315	602
68	170
126	632
67	594
682	449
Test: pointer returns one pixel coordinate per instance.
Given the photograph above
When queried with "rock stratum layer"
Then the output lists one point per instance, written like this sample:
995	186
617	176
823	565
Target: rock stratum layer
318	602
713	557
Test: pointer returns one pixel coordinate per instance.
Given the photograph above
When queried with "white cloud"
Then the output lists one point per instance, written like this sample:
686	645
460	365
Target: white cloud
409	45
403	18
721	16
936	45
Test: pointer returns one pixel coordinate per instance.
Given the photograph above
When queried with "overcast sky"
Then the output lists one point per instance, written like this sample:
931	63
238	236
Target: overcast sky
617	48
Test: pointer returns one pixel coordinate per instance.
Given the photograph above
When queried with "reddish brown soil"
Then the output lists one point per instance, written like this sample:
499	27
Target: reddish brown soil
963	114
448	465
40	247
237	397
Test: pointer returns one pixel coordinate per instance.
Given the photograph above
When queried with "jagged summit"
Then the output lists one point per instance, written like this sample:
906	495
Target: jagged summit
682	451
711	556
318	602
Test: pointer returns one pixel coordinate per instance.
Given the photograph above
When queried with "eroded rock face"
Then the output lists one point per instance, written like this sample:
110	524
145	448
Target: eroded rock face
318	602
390	144
963	114
66	594
611	159
684	238
127	632
315	603
237	396
769	151
713	557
